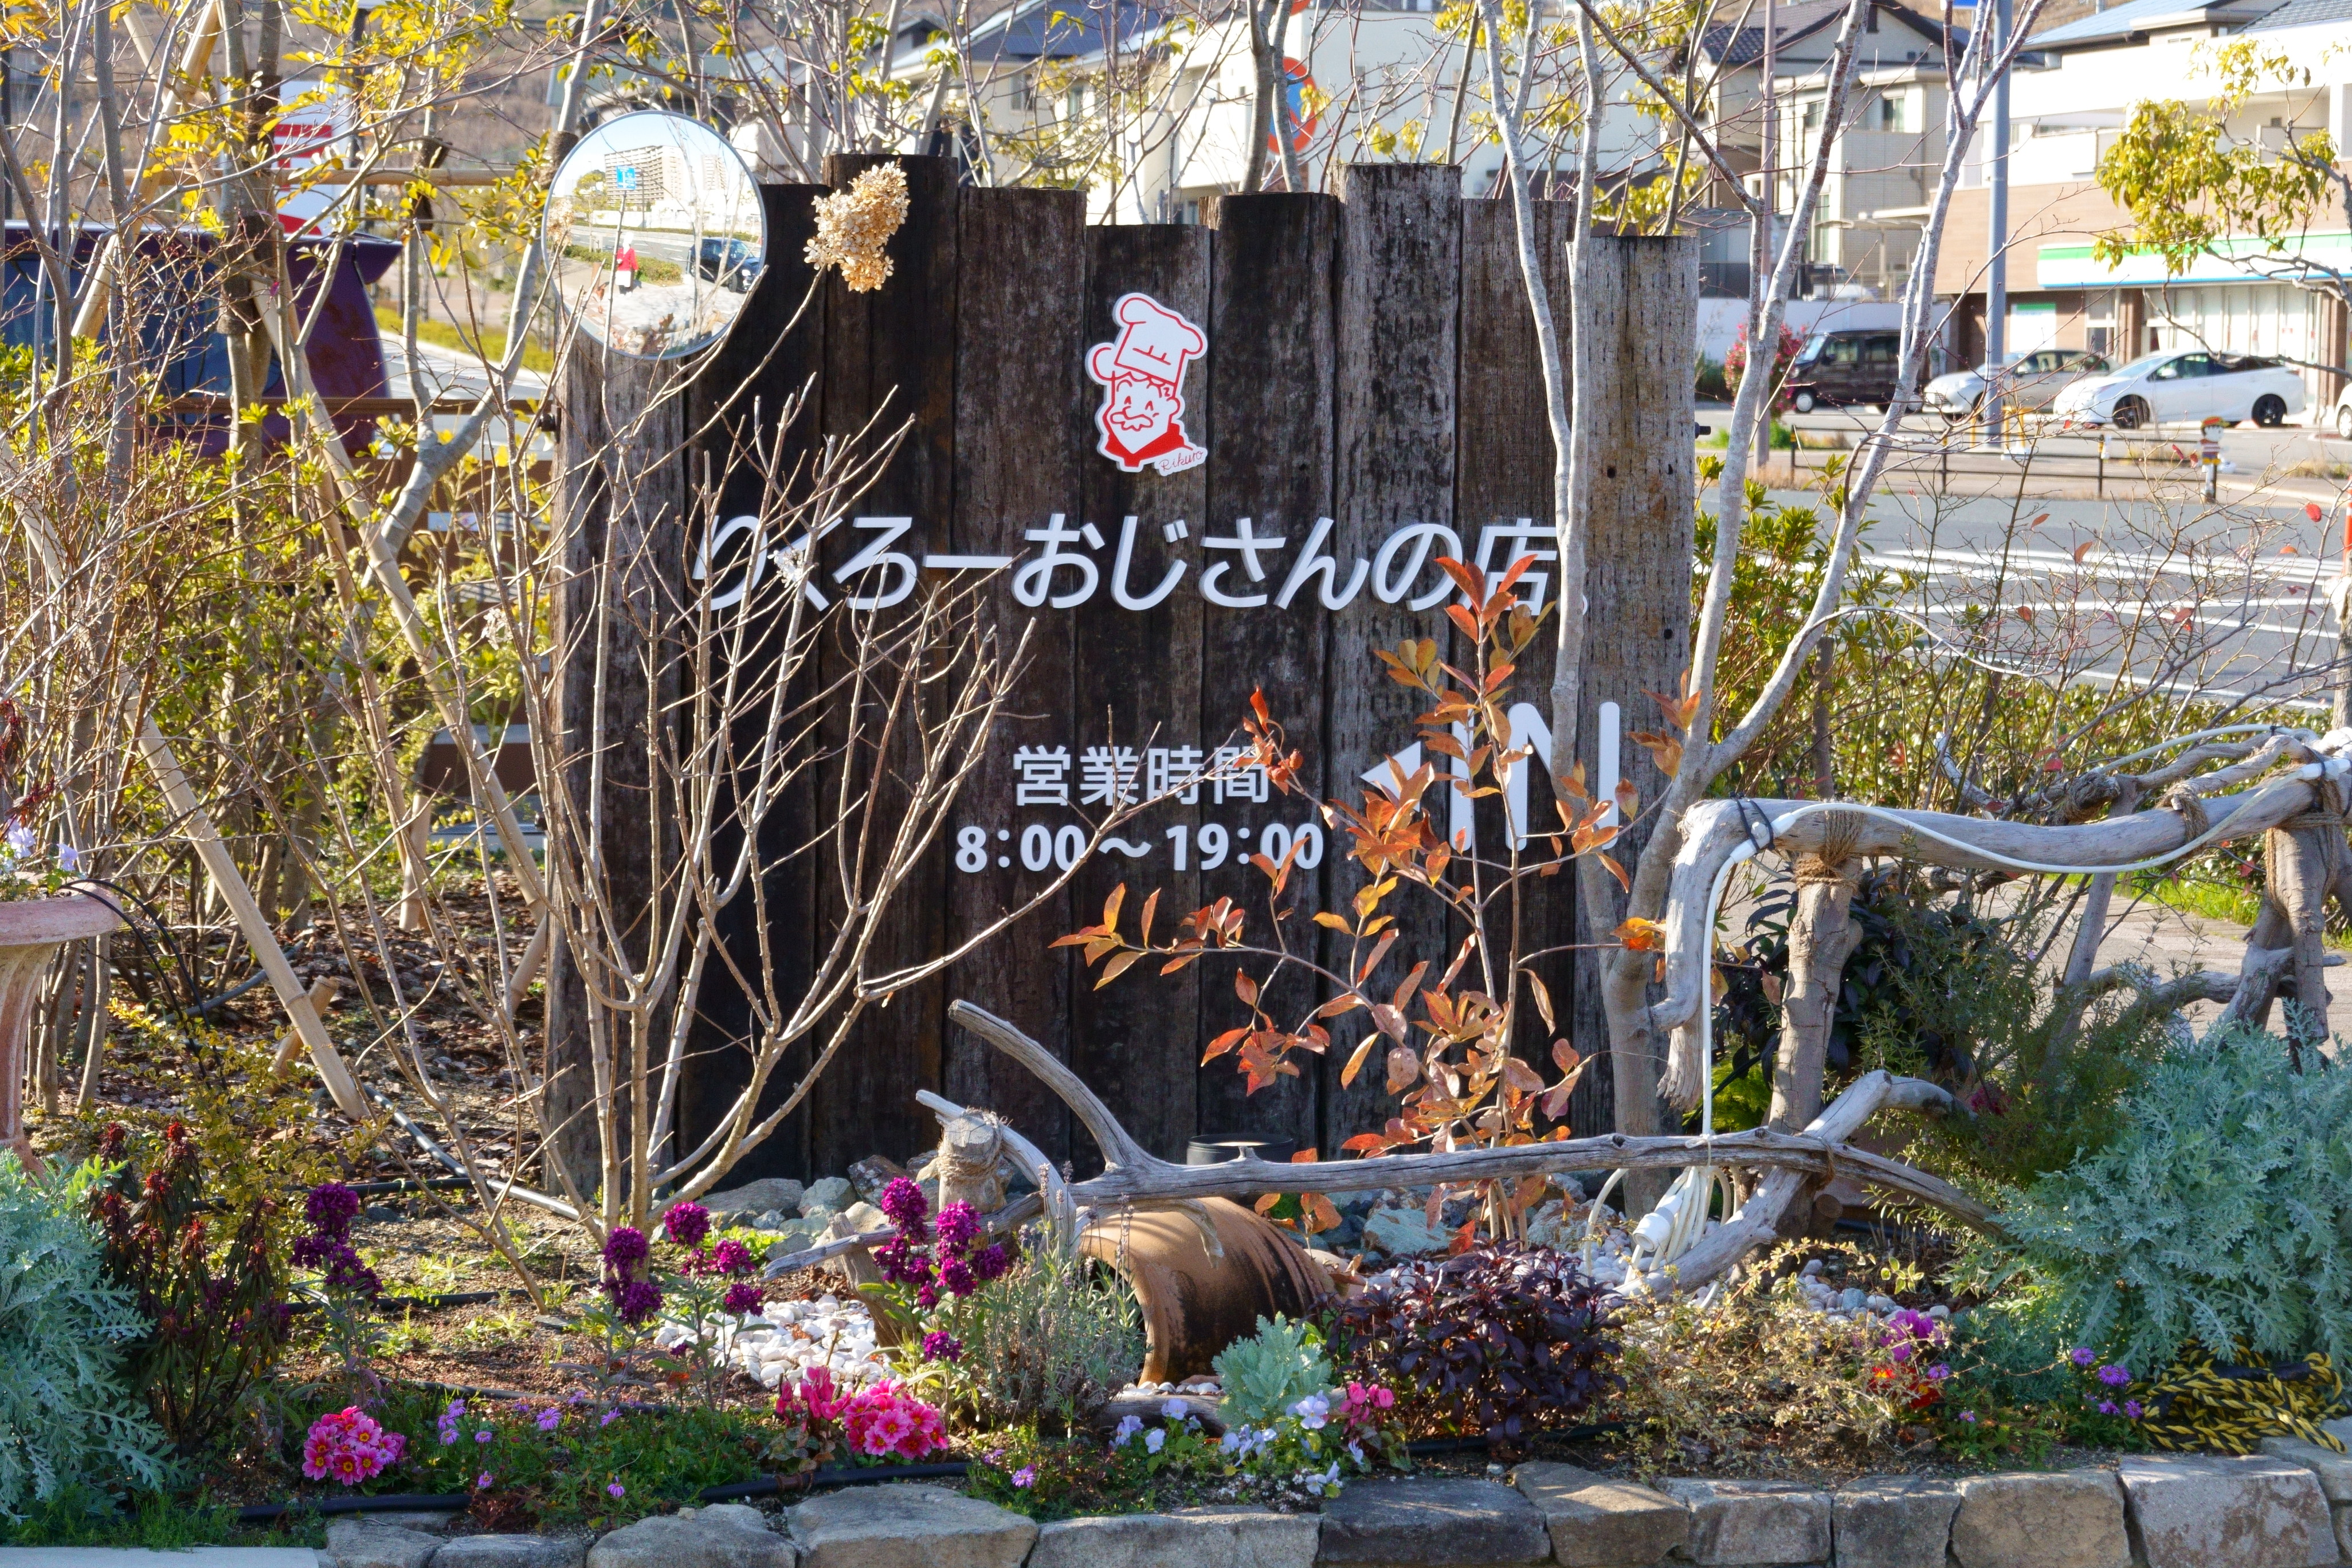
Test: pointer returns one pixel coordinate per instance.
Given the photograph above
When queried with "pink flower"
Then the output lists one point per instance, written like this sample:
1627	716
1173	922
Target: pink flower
349	1447
616	1489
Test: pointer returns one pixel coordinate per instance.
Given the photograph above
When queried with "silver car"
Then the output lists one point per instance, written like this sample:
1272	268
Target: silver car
2026	381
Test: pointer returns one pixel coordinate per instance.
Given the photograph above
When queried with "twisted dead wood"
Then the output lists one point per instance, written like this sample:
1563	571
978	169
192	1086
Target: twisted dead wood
1131	1175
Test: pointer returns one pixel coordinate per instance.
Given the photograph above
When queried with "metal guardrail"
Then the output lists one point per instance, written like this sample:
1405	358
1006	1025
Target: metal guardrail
2095	455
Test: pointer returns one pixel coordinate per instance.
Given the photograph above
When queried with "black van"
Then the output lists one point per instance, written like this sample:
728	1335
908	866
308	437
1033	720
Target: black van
1856	366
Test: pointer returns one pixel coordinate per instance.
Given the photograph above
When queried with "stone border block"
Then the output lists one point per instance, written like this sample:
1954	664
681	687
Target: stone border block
1417	1523
2204	1511
1893	1521
2061	1518
1754	1524
1188	1538
902	1526
2333	1469
1596	1522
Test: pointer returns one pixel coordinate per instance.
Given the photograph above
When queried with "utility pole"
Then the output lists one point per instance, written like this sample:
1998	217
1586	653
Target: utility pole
1764	358
1996	227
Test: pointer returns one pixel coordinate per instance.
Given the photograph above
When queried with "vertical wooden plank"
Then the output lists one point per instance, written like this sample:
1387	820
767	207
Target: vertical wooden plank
1016	338
892	353
1272	333
622	503
1504	484
1134	1042
1398	293
1637	579
752	379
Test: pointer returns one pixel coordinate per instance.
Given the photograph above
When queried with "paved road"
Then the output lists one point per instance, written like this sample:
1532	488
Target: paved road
2226	600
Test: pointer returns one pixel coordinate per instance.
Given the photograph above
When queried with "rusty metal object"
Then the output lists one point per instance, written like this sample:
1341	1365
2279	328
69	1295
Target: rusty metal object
1194	1304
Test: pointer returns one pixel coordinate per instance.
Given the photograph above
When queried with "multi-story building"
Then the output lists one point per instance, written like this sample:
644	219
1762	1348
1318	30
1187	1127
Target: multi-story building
2067	105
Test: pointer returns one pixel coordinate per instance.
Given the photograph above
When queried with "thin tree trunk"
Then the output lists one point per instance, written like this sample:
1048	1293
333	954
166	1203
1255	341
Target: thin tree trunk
1821	937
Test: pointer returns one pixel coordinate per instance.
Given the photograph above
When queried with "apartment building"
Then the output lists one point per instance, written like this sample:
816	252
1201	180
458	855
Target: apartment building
2066	108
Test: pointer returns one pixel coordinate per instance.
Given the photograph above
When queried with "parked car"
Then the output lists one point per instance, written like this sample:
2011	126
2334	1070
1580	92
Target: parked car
2190	387
2339	418
1853	365
2026	381
731	263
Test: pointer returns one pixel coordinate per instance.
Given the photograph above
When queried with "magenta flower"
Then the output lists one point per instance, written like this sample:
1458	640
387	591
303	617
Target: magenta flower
904	1203
616	1491
687	1224
637	1301
625	1246
732	1259
941	1346
990	1262
743	1296
956	1275
330	1208
959	1224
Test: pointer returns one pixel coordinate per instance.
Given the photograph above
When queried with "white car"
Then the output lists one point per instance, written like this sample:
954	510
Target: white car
2026	381
2176	387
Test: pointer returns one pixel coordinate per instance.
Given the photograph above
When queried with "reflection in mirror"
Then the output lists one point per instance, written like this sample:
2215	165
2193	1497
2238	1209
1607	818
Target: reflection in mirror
656	233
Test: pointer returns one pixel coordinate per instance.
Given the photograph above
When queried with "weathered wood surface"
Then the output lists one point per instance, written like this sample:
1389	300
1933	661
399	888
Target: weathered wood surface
1138	1041
1018	347
891	359
1371	361
1399	314
622	486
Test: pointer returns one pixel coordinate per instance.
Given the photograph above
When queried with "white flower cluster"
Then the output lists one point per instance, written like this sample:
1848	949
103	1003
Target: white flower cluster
787	1338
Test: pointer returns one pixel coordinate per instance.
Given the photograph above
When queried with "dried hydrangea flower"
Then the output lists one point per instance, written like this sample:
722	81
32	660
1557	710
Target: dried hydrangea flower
853	227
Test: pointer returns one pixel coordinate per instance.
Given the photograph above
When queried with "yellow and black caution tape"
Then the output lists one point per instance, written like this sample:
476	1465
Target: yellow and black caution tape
2200	1404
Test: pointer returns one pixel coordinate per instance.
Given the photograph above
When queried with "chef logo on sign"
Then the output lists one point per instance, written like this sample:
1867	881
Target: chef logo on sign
1142	377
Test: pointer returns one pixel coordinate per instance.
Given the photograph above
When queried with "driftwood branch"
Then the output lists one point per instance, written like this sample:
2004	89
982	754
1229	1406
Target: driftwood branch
1133	1175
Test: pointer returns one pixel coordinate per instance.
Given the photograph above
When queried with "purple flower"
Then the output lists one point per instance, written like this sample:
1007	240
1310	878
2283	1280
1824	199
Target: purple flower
1900	1351
550	1418
625	1246
1026	1476
1969	1416
956	1275
989	1262
2107	1407
609	1417
927	1297
616	1489
743	1296
2114	1376
330	1208
687	1224
732	1259
903	1262
2132	1410
941	1345
483	1435
1937	1373
2081	1355
637	1301
904	1204
482	1481
959	1224
1918	1325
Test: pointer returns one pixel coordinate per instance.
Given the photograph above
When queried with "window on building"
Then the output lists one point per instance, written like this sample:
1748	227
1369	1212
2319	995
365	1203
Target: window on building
1892	115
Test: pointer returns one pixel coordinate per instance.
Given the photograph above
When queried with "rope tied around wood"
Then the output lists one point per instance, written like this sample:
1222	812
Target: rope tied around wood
1835	861
2183	801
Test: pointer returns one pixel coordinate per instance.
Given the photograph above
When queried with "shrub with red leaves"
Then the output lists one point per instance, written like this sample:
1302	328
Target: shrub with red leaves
1501	1340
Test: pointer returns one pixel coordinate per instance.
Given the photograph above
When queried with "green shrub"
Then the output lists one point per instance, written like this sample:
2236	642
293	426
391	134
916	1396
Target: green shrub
66	1421
1263	1376
1045	1344
2221	1211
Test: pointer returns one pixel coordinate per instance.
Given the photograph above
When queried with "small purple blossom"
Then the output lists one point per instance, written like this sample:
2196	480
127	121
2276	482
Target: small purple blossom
625	1246
957	1225
687	1224
608	1418
732	1259
2107	1407
330	1208
956	1275
2132	1410
637	1301
616	1491
550	1418
1969	1416
1939	1372
743	1298
2081	1355
989	1262
483	1435
1915	1325
2114	1376
1026	1476
941	1345
903	1202
927	1297
482	1481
